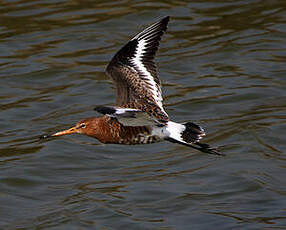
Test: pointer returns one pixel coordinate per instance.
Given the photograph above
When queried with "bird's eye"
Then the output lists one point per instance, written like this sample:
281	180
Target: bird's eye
82	126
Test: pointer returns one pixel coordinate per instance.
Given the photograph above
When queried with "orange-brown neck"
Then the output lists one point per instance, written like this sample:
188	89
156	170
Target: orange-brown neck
105	129
109	130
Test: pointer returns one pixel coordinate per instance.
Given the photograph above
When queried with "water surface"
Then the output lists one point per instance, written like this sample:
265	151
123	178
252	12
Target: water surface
222	65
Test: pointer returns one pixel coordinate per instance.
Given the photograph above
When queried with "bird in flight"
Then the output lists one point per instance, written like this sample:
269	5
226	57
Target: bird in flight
138	116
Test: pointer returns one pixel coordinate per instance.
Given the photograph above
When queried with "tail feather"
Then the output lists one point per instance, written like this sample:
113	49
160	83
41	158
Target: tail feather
189	134
192	132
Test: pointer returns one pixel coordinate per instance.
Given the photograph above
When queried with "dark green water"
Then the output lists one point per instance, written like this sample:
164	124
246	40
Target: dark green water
222	64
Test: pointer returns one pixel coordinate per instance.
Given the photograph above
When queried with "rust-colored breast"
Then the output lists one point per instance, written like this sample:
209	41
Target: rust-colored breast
109	130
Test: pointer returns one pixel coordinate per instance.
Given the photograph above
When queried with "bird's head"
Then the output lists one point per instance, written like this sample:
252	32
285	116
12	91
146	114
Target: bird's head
86	126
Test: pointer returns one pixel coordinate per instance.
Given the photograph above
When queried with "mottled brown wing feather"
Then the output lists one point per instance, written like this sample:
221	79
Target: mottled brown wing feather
135	74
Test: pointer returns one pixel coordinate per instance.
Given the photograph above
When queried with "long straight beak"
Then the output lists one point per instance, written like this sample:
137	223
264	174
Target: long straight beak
64	132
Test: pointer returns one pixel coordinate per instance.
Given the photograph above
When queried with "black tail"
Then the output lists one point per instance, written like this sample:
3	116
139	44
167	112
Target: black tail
189	134
192	132
199	146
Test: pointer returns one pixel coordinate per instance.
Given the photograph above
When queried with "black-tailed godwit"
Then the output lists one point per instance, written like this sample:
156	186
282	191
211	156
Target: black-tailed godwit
139	116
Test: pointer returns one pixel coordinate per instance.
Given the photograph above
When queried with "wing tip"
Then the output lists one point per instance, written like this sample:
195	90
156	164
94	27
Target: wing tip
165	19
160	25
105	110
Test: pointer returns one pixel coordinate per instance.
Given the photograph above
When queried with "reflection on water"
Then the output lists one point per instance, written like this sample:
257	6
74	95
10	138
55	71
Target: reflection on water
222	64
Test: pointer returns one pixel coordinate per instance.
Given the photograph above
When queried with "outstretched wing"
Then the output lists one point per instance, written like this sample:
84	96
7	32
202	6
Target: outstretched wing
135	74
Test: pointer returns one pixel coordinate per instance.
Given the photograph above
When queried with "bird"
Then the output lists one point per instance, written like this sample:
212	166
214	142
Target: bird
138	116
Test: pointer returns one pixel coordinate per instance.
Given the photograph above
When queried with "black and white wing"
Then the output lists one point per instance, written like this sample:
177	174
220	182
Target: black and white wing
129	116
135	74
